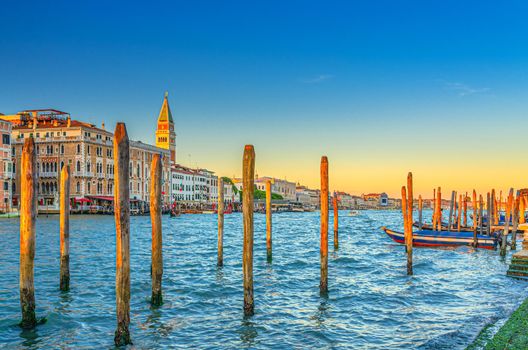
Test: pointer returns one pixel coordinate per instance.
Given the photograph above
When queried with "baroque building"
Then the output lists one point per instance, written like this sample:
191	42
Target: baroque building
88	150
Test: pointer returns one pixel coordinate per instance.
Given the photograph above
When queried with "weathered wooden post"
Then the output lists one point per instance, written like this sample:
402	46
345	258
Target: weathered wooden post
451	204
515	221
268	221
481	214
434	209
122	219
459	212
507	218
336	222
323	285
409	232
157	236
65	228
475	219
522	208
465	209
493	203
420	208
28	213
439	208
220	261
248	176
488	214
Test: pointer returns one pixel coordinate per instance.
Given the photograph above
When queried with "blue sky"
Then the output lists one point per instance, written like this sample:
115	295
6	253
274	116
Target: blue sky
378	86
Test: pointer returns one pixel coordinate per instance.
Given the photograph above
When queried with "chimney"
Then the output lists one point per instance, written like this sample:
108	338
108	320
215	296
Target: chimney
35	122
103	126
68	121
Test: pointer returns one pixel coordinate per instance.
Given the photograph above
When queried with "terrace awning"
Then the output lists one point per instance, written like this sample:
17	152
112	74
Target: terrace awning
103	198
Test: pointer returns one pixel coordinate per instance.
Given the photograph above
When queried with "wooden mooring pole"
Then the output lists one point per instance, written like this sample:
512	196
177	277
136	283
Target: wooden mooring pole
439	208
122	219
248	176
522	208
451	205
475	219
409	231
156	174
465	209
65	228
507	218
220	261
481	214
493	204
28	213
433	219
323	285
489	209
268	222
336	222
515	220
459	212
420	208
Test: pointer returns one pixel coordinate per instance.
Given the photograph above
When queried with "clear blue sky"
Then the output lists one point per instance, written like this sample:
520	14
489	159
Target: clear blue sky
363	82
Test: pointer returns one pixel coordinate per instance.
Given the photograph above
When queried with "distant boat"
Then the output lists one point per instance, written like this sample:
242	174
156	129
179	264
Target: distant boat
353	213
430	238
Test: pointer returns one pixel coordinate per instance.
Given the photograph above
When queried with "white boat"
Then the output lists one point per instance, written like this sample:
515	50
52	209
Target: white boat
353	213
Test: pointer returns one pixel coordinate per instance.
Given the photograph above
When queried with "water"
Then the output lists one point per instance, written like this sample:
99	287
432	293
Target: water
372	304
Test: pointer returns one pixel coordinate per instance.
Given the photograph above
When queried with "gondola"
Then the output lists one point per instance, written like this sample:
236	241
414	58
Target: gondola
430	238
429	227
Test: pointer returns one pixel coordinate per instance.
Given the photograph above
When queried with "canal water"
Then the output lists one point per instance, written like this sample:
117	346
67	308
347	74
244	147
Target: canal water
372	304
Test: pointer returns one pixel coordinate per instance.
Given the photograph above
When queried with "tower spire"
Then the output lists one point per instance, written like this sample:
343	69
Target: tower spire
165	134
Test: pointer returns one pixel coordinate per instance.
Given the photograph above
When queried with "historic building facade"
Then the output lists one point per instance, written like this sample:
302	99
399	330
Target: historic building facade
6	166
88	150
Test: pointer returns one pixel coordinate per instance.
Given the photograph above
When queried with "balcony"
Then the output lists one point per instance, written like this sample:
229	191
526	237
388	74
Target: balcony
48	174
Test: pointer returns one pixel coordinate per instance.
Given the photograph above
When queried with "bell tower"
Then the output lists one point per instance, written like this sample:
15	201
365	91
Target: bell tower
165	135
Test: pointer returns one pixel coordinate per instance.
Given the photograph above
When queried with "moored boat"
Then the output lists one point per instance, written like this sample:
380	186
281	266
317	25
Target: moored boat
430	238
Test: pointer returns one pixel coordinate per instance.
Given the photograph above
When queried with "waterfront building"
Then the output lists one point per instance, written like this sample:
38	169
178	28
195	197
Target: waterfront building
87	149
307	197
165	133
193	186
345	200
279	186
376	199
6	167
141	155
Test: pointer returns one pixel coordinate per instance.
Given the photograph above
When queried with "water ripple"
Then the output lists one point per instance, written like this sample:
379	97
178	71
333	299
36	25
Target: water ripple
372	304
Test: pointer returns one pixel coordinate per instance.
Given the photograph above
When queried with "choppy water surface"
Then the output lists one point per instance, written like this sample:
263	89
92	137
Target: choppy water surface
372	303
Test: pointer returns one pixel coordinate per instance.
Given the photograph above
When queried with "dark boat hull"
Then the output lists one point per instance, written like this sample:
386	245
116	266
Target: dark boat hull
429	238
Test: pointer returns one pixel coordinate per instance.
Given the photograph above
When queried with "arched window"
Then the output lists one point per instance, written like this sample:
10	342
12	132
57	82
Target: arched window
78	149
78	187
62	149
88	185
62	165
78	166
